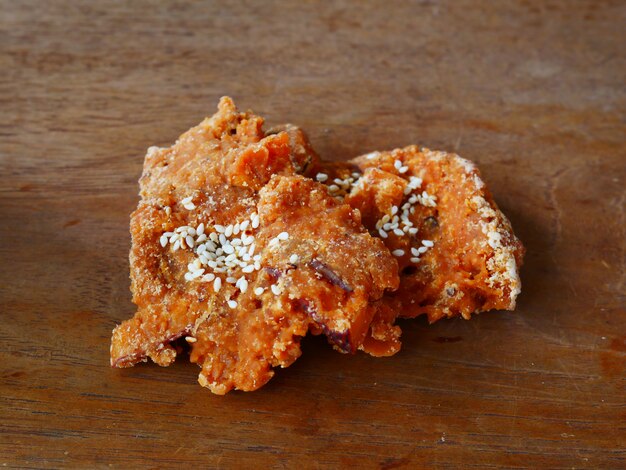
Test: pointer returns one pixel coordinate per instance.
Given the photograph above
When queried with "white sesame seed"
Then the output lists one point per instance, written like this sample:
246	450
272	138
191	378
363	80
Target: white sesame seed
219	228
197	273
398	232
200	229
228	231
414	251
188	277
259	291
248	269
421	250
243	286
321	177
217	284
386	218
427	243
382	233
232	304
191	231
235	242
413	230
255	221
187	200
191	206
163	241
190	339
397	252
415	260
275	289
222	239
213	237
190	241
333	187
231	280
403	169
283	236
394	210
257	265
176	245
293	259
228	249
208	277
201	238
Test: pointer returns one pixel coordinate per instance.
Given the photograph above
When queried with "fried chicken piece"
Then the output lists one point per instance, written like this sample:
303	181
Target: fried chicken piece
456	251
236	253
324	277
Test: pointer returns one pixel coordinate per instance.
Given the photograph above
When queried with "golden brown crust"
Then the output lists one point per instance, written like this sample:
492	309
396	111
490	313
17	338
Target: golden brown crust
235	252
473	263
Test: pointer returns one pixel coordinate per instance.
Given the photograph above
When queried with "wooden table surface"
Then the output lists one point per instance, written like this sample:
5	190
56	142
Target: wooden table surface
532	91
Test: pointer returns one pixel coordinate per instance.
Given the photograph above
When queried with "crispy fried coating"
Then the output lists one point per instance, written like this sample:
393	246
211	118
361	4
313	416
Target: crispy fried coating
235	252
325	277
456	250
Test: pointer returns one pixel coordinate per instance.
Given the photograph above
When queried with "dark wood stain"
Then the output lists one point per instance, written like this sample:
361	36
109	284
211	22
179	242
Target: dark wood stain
447	339
531	91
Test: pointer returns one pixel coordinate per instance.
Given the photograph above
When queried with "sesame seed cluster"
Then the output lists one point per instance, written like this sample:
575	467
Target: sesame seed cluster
224	254
398	221
339	187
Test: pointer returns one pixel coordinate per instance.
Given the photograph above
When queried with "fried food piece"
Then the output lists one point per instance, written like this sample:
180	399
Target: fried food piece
457	252
324	277
234	251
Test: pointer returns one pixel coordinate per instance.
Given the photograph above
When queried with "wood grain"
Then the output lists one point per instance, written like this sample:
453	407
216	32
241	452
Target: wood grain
532	91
